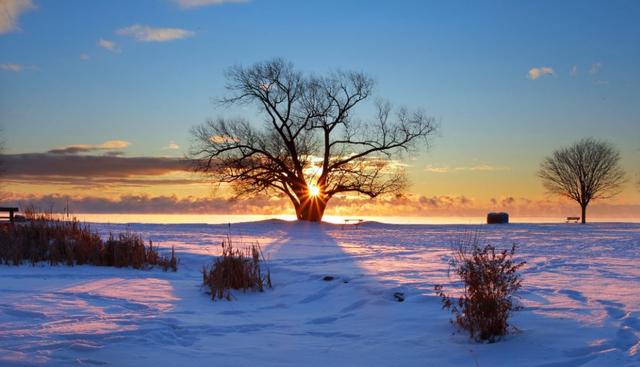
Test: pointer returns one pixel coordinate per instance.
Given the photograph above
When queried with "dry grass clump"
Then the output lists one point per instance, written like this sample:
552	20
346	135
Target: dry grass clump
43	238
236	269
128	249
490	280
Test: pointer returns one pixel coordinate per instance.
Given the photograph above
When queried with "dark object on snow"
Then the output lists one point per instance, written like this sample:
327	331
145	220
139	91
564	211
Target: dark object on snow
328	278
399	296
497	218
11	212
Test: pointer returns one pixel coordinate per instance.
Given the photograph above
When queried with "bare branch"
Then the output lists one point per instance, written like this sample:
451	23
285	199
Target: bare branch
310	138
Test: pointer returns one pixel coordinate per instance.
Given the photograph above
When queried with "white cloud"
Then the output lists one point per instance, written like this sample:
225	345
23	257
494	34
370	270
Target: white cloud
145	33
108	45
16	68
84	56
171	146
574	70
187	4
535	73
10	11
595	68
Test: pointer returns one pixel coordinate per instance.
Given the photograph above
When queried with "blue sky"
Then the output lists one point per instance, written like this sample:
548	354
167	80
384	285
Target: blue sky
509	81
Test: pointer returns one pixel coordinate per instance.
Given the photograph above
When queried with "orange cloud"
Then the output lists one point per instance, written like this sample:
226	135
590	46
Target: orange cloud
87	148
535	73
409	205
10	11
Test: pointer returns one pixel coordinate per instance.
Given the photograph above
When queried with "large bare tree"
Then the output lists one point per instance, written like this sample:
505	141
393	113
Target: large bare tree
585	171
310	146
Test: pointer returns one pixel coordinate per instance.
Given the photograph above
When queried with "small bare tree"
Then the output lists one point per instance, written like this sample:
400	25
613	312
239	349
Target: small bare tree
587	170
311	147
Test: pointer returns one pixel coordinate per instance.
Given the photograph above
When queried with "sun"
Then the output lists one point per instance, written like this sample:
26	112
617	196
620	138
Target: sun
314	190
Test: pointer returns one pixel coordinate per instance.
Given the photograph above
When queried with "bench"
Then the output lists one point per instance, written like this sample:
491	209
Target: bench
353	222
573	219
11	212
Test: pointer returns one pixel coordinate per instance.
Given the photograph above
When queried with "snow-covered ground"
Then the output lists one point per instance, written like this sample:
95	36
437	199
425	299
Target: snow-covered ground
581	300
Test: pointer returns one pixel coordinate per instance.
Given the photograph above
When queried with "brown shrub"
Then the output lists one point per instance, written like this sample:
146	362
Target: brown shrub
490	280
236	269
46	239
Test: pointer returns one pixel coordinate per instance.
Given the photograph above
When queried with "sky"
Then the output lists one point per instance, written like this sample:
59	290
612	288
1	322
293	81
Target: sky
97	98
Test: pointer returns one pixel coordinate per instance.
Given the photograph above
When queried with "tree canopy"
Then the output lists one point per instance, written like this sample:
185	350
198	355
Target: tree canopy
311	145
585	171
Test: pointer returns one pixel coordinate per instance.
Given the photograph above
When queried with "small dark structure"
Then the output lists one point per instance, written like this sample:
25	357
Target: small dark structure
573	219
498	218
11	212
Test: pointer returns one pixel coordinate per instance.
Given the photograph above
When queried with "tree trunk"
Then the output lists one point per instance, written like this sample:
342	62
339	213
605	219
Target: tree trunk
311	208
311	213
584	214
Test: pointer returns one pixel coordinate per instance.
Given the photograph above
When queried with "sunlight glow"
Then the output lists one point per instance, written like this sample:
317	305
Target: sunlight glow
314	190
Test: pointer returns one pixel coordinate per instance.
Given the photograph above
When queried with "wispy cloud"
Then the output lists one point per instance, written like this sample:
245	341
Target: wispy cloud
39	165
16	68
187	4
474	168
88	148
574	70
141	203
220	139
108	45
145	33
85	56
437	169
485	168
595	68
535	73
10	11
171	146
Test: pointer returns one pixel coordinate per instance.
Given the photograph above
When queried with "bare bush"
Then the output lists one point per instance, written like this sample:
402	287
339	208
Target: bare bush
490	281
42	238
238	269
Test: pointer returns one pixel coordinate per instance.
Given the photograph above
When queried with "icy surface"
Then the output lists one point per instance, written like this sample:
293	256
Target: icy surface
581	299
